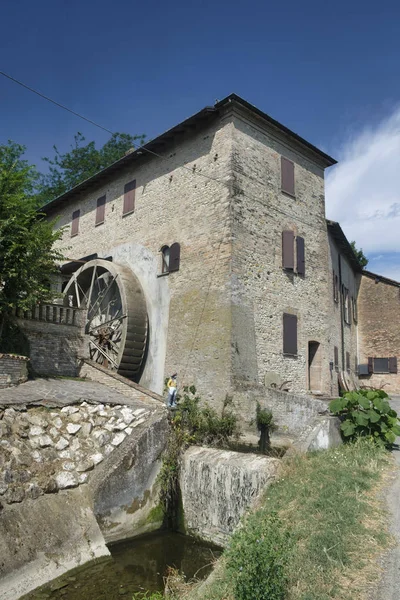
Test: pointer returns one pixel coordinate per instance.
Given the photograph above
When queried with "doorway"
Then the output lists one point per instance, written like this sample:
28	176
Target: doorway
314	367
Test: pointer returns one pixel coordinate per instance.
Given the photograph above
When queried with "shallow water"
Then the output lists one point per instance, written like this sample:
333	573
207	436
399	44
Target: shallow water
137	565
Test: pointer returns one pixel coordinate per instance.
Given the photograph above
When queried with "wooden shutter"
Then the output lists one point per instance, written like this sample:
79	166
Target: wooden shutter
393	364
370	364
287	176
129	197
336	354
100	210
288	250
301	263
289	334
348	362
75	223
174	257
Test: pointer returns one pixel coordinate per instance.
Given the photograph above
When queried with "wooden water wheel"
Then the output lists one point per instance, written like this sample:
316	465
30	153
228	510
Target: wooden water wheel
116	318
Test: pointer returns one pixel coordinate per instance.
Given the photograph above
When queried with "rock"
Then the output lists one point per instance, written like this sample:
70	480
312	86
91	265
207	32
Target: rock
139	422
45	440
36	430
66	480
85	465
24	459
139	412
108	449
61	444
76	418
104	413
24	476
120	426
49	454
109	426
85	404
127	415
33	491
75	445
118	439
57	421
86	429
97	458
65	454
83	477
66	410
73	409
73	428
36	455
10	412
34	442
35	419
5	429
68	466
3	488
14	494
8	476
101	436
128	430
54	432
50	486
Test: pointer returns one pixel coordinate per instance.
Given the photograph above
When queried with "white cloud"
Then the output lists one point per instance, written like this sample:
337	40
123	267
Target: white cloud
363	190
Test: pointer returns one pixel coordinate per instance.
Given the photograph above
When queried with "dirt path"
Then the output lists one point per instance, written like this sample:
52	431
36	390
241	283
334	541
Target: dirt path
389	587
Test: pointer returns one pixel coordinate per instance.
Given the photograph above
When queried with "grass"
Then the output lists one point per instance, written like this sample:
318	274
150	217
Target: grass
328	505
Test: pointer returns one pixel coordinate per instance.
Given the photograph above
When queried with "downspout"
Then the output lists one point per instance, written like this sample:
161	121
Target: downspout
341	311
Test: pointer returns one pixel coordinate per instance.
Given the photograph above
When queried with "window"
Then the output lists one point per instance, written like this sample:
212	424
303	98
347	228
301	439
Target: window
382	365
346	305
288	263
335	287
354	308
287	176
165	259
129	198
75	223
100	210
336	356
170	258
289	334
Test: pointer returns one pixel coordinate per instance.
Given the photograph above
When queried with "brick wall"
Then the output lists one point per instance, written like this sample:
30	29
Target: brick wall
379	328
13	370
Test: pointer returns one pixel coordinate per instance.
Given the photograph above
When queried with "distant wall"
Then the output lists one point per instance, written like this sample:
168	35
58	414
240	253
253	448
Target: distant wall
56	339
13	370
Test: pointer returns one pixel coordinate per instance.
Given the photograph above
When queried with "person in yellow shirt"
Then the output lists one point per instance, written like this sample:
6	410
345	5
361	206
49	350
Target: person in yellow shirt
172	386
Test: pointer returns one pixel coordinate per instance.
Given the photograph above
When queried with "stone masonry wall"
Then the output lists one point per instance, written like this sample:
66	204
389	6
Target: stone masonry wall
175	203
262	290
13	370
379	329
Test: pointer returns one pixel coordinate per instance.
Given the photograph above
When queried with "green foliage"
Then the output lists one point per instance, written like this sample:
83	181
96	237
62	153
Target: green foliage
257	558
367	413
362	259
27	256
265	425
148	596
81	162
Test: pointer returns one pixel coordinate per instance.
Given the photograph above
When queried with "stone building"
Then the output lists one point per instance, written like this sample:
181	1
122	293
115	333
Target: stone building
216	230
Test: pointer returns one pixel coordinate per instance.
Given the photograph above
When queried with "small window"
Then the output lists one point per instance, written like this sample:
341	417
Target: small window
289	334
354	307
346	305
300	251
75	223
287	176
288	250
335	287
165	251
336	357
381	365
100	210
129	198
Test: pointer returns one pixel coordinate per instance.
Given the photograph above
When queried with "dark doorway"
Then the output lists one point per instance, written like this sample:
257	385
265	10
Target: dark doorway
314	367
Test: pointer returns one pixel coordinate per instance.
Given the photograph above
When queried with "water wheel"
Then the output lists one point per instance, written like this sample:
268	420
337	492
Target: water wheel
116	317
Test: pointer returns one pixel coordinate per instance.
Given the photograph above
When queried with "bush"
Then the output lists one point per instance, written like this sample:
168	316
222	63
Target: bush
367	413
257	558
265	425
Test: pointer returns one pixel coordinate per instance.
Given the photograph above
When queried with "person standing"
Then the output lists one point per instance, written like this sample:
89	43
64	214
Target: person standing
172	387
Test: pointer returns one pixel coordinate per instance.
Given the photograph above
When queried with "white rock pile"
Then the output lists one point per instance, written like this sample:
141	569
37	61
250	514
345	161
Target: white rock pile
43	451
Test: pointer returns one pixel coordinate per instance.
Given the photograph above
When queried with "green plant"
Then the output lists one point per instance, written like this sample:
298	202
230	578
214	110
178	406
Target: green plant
148	596
265	425
257	558
367	413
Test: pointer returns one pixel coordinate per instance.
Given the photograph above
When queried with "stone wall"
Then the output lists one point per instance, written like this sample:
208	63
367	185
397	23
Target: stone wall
56	344
379	328
13	370
218	486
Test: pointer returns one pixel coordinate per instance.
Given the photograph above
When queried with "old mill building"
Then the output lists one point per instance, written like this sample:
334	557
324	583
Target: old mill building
207	252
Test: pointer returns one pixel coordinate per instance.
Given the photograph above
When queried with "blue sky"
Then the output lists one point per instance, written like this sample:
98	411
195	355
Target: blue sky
329	71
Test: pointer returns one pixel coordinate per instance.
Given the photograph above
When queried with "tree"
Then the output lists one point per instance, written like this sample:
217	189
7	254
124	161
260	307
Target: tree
81	162
27	254
362	259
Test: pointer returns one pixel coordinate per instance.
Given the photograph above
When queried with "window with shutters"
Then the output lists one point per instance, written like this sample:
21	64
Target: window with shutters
129	198
170	258
100	210
354	308
336	358
288	253
289	334
75	223
382	365
346	305
165	259
335	287
300	255
287	176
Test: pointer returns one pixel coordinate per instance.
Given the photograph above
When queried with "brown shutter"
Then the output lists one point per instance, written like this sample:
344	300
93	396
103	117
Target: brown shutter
348	361
289	334
336	353
100	210
174	257
301	263
393	364
288	250
129	197
75	223
287	176
370	364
